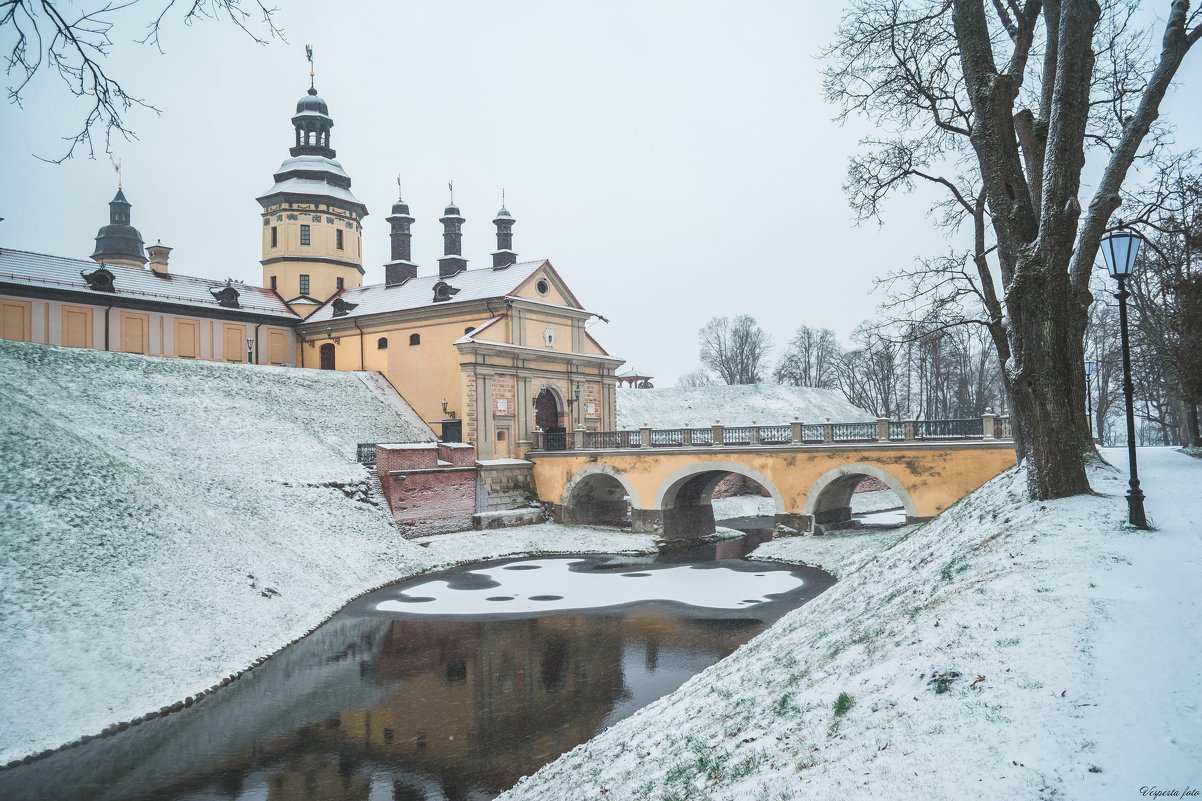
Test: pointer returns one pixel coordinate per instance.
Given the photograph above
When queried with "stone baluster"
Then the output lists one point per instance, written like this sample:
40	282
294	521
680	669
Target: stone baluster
987	424
719	432
796	432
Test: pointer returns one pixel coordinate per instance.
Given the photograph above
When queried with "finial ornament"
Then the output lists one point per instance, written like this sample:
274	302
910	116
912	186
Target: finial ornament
309	56
502	197
399	194
451	187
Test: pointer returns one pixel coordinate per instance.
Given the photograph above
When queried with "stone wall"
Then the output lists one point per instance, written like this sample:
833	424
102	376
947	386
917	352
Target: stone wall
504	484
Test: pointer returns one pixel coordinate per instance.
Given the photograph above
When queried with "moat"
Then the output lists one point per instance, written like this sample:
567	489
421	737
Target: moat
445	686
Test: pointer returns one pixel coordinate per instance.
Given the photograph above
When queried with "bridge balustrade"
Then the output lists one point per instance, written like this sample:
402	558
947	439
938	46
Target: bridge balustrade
986	427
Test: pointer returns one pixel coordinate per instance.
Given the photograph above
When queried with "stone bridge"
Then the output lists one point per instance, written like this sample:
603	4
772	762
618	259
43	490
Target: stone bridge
661	481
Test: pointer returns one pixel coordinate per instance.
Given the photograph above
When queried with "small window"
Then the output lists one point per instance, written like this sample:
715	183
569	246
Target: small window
542	286
340	283
415	339
304	284
382	343
501	435
304	234
338	239
273	284
275	237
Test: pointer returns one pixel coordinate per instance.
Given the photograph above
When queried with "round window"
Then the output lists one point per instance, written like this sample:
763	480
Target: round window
542	286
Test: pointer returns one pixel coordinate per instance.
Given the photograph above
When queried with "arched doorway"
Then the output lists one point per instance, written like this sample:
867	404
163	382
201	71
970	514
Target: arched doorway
546	417
327	356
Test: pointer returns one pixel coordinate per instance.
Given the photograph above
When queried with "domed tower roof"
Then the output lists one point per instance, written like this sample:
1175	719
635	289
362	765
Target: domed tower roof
451	211
119	241
312	103
503	214
312	122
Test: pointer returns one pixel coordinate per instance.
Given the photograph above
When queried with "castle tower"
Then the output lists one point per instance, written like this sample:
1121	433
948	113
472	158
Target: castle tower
312	224
401	268
504	256
452	261
119	242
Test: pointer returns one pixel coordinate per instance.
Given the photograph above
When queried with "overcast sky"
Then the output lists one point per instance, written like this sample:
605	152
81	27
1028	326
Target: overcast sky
674	161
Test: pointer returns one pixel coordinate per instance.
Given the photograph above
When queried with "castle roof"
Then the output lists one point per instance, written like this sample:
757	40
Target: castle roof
57	274
417	293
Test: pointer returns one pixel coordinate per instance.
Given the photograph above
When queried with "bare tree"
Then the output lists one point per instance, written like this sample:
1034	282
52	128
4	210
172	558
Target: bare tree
809	359
998	104
869	374
737	350
74	43
697	378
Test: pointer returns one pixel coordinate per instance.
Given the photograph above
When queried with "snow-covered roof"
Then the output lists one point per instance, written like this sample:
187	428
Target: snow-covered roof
57	273
765	404
418	292
311	186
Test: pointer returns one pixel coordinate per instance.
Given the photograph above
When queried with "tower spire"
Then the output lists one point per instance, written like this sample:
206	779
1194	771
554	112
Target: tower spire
312	73
504	256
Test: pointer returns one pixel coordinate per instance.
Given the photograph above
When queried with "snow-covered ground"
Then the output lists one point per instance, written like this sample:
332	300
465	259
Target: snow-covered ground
1009	649
765	404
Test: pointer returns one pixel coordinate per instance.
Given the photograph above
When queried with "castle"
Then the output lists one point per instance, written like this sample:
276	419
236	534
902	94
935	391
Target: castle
485	355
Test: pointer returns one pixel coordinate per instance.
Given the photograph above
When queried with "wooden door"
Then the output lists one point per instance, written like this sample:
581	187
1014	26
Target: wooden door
327	356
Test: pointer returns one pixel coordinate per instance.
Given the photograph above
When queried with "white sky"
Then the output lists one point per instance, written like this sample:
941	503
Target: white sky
674	160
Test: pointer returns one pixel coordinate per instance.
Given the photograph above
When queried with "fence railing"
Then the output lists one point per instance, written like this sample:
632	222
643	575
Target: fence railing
365	453
986	427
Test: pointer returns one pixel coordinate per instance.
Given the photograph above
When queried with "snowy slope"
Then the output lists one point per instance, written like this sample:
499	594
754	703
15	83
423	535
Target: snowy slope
766	404
138	498
1009	649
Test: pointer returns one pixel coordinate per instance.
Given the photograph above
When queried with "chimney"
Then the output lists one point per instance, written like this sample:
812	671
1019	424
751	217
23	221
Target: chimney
158	258
401	268
504	255
452	262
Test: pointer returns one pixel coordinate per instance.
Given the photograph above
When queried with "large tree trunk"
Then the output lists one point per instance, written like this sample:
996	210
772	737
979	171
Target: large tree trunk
1049	382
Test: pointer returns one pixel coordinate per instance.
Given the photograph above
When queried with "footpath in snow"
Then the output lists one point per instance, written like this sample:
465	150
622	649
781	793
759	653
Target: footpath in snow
1006	650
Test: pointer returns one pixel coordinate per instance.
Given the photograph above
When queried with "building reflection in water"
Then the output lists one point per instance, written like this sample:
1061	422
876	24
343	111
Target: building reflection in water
372	708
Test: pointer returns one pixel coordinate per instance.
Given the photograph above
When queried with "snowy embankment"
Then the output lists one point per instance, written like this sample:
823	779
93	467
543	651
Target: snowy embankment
739	405
1008	649
165	523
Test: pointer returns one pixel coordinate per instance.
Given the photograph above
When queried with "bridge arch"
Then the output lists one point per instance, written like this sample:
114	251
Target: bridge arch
828	501
684	496
597	495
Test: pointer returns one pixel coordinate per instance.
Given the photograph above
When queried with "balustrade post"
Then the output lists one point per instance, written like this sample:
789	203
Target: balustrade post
645	436
753	433
909	427
987	424
882	429
795	432
686	436
828	431
578	439
719	434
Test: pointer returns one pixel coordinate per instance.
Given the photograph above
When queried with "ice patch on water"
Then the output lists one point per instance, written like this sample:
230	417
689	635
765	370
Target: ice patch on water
558	587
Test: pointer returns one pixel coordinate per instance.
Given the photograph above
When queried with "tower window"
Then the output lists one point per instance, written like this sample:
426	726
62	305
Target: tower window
340	283
275	237
304	234
304	280
338	238
415	339
382	343
273	284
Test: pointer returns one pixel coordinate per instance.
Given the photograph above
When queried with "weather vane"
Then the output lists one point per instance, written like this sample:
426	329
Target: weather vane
502	197
309	55
399	194
451	186
117	169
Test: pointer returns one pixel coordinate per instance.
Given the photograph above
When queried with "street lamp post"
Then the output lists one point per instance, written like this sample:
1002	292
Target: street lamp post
1089	368
1120	249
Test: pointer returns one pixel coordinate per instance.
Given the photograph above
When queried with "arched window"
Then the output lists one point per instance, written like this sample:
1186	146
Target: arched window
415	339
382	343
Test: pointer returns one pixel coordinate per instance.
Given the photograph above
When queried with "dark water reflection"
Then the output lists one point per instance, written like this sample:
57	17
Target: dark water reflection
374	707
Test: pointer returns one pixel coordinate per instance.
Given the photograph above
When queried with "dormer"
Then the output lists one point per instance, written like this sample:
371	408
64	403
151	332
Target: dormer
100	279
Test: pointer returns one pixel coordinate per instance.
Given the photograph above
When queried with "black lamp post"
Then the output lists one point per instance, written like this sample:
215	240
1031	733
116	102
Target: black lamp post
1120	249
1089	369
